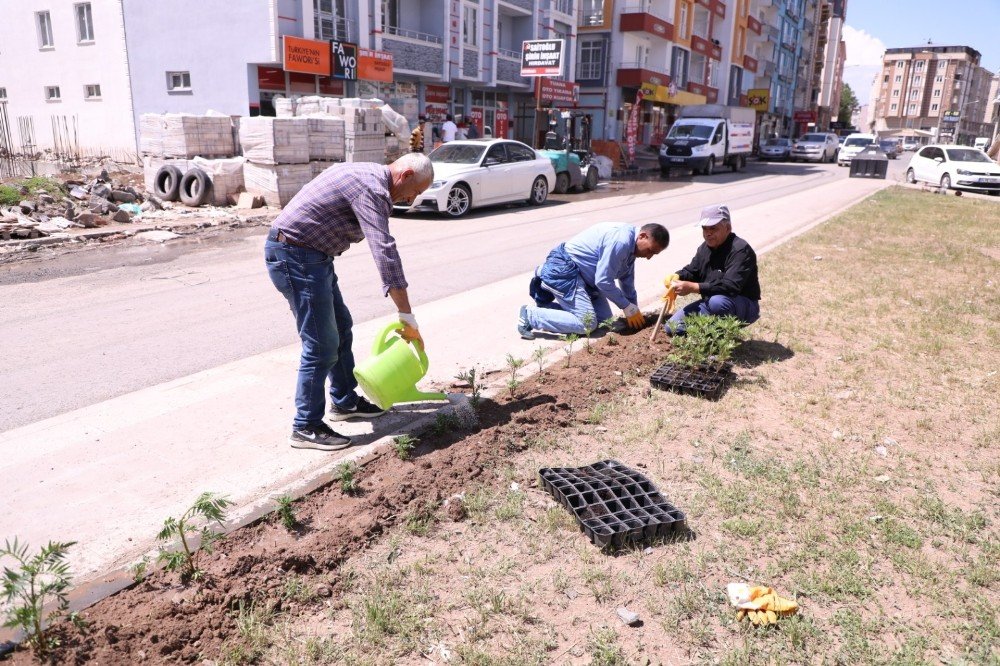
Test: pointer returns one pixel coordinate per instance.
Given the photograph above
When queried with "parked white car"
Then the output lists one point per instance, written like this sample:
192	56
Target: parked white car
481	172
958	167
853	145
816	147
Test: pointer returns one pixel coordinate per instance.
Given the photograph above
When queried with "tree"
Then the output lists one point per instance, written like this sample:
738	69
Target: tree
848	105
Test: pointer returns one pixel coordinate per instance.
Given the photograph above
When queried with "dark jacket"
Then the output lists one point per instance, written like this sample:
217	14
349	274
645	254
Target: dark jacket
728	270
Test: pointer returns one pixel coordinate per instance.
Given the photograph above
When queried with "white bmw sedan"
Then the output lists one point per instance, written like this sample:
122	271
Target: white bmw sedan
955	167
482	172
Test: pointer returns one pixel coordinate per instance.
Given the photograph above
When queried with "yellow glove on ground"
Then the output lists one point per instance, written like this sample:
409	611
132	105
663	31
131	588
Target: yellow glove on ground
760	605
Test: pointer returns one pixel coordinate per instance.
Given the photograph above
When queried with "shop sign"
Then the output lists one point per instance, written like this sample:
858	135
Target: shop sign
759	99
632	127
952	116
542	57
375	65
805	116
307	56
437	95
406	89
476	115
558	91
435	113
501	121
345	60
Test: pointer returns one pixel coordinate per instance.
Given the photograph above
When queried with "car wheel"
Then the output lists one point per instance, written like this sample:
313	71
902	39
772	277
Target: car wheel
539	191
945	182
710	167
665	172
911	177
459	201
562	183
590	182
994	193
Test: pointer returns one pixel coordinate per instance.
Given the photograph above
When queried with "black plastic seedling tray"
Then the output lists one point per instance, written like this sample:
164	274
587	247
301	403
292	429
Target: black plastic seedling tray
614	504
700	380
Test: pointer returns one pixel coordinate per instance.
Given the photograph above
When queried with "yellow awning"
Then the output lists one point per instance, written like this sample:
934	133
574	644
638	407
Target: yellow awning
680	98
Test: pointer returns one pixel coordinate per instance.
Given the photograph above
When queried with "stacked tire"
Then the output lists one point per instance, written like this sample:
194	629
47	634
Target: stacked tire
191	188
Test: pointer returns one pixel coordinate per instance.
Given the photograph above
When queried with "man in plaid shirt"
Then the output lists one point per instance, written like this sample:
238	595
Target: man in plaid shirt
343	205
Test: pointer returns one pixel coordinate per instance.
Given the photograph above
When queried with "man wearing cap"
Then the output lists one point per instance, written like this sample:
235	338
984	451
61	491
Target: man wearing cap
572	288
723	272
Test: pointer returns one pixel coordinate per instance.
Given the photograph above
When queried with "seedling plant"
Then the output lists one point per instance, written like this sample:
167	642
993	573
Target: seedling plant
209	507
38	579
609	326
588	325
539	357
286	512
709	341
513	365
570	340
347	475
403	445
475	388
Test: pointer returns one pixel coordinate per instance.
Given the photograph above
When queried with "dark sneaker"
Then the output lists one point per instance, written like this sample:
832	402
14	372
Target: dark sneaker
522	324
362	410
320	437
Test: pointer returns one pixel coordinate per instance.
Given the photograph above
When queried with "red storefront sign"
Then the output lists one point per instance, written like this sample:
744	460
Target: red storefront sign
437	95
500	131
476	116
558	91
805	116
632	128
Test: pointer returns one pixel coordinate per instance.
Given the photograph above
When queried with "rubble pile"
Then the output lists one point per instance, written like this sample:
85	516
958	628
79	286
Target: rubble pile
96	203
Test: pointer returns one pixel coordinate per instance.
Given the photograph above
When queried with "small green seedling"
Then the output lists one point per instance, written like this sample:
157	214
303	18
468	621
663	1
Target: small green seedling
140	569
403	445
346	474
588	325
570	340
38	580
286	512
209	507
708	340
475	388
444	423
539	357
609	326
513	365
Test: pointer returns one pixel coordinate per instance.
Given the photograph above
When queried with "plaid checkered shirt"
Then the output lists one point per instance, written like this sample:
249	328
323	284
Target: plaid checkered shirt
343	205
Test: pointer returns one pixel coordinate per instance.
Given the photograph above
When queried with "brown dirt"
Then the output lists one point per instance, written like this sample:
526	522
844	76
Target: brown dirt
163	621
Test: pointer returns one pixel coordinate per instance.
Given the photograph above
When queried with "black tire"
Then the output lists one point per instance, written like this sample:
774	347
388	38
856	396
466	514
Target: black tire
665	172
710	167
911	177
459	201
590	182
539	191
994	193
195	187
562	183
946	182
167	183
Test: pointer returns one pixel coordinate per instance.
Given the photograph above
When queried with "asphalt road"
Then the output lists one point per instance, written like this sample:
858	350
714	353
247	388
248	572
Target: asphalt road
83	328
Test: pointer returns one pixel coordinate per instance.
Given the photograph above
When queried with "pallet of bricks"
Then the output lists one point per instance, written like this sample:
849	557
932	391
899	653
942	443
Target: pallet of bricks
187	141
364	131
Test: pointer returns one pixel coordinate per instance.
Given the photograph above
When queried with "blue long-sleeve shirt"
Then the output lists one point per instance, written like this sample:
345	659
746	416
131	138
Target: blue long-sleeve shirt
605	253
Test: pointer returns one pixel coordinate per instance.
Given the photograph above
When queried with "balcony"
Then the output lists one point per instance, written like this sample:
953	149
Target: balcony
411	34
699	89
711	94
646	22
509	72
719	7
705	47
632	75
510	55
707	4
750	64
412	55
753	24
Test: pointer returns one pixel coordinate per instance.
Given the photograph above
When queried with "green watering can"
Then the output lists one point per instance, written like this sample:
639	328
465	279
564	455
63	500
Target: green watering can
391	373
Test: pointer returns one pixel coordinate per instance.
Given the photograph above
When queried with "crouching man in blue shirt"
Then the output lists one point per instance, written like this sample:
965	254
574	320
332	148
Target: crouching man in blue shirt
572	288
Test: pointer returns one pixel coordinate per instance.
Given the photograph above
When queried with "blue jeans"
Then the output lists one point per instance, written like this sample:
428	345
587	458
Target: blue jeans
567	315
741	307
308	282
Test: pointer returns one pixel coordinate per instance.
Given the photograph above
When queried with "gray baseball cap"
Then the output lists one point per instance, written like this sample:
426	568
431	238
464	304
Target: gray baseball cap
712	215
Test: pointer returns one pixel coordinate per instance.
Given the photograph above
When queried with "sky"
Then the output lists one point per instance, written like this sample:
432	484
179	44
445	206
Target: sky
872	26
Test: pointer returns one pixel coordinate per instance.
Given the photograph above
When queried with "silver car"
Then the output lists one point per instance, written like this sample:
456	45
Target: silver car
816	147
775	149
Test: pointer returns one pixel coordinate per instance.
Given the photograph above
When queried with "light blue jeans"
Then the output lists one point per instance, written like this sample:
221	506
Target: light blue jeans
567	315
308	282
741	307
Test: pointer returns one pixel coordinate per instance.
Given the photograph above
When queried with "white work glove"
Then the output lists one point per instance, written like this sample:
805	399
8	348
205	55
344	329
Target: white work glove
410	332
633	316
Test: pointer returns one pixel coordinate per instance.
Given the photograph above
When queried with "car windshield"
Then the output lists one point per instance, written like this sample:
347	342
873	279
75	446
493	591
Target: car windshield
814	138
457	153
680	131
967	155
777	142
859	141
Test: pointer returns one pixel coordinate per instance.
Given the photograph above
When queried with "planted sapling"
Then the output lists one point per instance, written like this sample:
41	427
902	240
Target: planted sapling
513	365
609	326
286	512
588	326
474	388
209	507
707	341
39	579
539	357
403	445
569	339
345	473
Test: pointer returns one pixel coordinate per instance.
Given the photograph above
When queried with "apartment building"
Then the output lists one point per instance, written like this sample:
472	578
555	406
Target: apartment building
932	92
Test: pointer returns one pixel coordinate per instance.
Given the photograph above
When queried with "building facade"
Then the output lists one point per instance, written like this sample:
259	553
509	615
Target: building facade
935	93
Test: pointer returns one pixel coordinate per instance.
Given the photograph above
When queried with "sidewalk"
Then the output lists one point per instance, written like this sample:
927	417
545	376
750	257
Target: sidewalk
107	475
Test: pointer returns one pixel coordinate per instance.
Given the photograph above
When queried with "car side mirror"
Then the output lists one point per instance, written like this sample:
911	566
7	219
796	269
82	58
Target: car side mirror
939	159
491	161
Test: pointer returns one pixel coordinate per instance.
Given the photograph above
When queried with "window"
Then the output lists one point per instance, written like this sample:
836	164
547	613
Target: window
592	12
899	64
92	91
641	55
912	109
45	40
934	107
895	93
885	79
899	77
937	93
470	25
178	81
52	94
3	93
591	64
920	64
914	93
679	66
390	14
893	107
519	153
84	23
939	78
917	79
682	24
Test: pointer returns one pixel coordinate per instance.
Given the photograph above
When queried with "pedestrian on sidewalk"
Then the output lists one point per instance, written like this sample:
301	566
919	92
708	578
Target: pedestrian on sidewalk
723	272
449	129
343	205
572	288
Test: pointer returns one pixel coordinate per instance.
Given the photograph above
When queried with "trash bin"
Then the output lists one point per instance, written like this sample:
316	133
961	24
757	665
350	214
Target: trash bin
869	163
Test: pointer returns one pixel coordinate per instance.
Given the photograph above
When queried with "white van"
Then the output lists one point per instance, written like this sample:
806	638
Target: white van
982	143
853	145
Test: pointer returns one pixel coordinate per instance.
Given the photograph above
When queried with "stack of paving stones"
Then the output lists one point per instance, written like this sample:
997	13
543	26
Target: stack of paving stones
277	157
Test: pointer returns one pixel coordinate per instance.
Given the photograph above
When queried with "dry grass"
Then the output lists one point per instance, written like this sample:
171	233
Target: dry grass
855	466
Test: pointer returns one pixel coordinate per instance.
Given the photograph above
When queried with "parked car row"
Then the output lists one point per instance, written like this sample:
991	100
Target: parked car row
958	167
